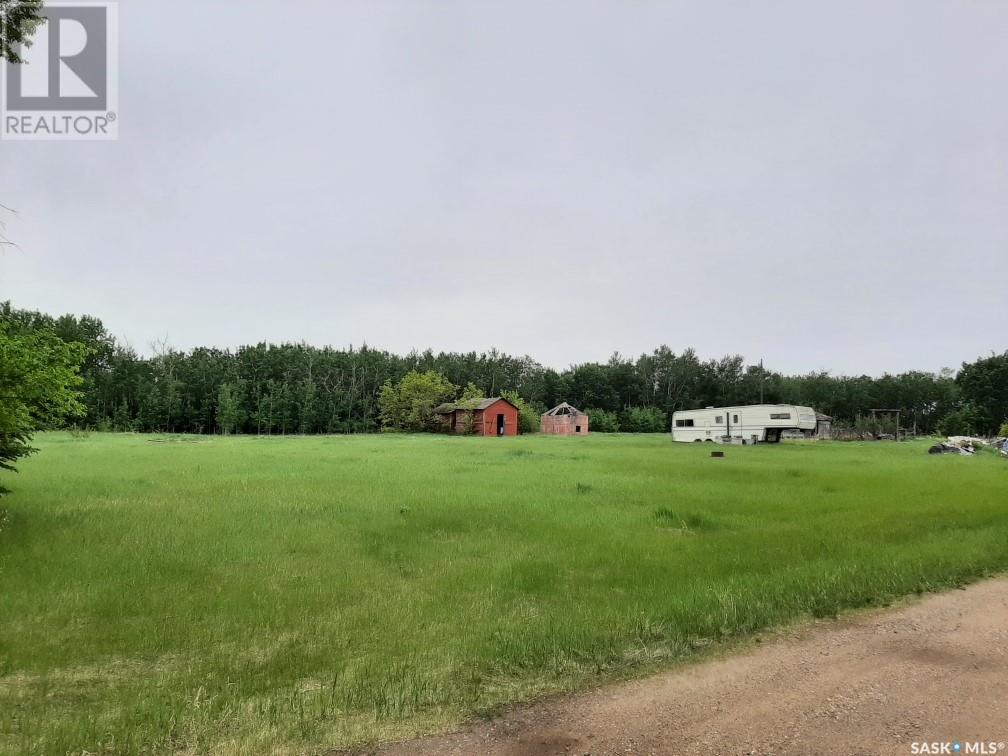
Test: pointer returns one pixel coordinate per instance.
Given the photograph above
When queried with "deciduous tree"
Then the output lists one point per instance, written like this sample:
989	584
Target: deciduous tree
984	387
410	405
19	20
230	414
39	376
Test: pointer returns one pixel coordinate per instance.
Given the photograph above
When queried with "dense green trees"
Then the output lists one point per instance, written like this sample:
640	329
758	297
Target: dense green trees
19	20
409	404
641	420
629	420
602	421
984	388
296	388
965	421
38	382
230	408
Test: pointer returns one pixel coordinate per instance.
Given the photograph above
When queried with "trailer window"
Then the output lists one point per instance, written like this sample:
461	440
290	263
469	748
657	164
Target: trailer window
780	415
735	419
718	420
688	423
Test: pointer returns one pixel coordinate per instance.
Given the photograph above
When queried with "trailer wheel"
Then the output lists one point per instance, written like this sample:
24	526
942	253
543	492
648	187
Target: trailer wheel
696	440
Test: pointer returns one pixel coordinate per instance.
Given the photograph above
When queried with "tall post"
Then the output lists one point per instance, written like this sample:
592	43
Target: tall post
762	380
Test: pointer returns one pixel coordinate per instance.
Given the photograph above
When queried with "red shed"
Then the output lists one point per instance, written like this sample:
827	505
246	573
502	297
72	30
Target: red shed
493	416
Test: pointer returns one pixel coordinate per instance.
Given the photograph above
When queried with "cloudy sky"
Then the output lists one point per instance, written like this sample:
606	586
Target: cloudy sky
823	185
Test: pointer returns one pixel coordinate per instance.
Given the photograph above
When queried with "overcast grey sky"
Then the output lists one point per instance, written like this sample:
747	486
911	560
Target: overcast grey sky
824	185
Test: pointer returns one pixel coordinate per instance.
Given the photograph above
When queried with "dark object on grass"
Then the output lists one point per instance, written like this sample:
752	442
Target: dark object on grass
717	454
943	448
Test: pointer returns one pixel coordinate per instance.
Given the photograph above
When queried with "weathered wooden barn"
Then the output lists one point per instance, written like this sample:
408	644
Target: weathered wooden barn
824	426
492	416
564	420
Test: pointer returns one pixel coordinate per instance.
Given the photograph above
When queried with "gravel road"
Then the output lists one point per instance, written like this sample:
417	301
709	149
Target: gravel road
934	671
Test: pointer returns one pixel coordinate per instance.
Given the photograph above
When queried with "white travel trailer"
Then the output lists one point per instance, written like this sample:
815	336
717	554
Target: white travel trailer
742	425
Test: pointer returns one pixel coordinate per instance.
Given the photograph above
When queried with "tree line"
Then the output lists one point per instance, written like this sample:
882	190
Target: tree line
296	388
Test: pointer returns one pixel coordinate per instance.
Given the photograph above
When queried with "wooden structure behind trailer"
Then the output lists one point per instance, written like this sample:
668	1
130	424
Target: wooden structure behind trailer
824	427
491	416
564	420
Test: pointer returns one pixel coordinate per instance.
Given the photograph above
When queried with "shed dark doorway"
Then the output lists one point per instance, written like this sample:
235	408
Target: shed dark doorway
500	424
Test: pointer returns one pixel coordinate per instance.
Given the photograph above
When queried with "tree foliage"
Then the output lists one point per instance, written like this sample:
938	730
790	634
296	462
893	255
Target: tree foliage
38	387
471	391
640	420
966	421
19	20
230	413
602	421
984	388
409	405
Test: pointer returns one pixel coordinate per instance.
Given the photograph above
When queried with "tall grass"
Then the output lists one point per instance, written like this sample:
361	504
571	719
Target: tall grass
291	595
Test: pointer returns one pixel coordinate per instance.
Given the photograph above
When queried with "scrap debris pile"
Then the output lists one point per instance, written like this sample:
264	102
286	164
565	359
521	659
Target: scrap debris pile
967	446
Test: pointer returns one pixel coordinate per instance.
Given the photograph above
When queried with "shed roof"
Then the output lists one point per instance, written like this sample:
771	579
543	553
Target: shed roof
564	409
469	404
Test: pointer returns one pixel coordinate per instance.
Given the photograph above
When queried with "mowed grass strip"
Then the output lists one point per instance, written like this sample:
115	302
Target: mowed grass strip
230	595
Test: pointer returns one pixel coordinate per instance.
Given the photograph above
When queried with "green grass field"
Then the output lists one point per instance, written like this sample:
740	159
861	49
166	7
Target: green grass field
215	595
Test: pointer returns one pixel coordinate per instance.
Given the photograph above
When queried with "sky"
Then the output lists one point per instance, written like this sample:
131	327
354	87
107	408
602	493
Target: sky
823	186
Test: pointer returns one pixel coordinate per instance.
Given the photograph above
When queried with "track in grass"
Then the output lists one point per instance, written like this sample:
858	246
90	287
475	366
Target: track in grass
271	594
